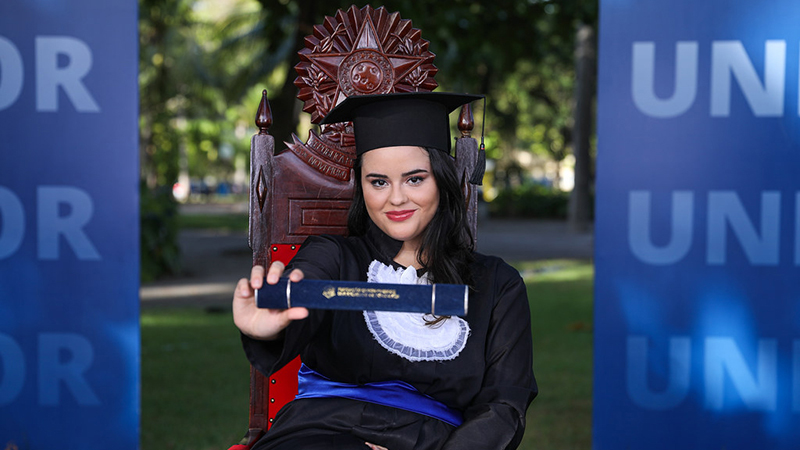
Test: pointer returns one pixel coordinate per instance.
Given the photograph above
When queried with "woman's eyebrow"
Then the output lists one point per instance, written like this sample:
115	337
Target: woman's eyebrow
403	175
414	172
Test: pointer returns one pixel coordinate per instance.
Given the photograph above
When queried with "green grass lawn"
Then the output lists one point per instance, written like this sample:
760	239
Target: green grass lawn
226	222
560	295
195	378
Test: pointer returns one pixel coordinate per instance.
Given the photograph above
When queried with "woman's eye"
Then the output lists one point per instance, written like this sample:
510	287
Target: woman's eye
378	183
415	180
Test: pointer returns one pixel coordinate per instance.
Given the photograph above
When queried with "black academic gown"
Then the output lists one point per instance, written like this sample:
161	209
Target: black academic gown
491	381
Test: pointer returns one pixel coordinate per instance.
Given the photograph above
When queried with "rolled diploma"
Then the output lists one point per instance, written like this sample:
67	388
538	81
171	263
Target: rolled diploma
437	299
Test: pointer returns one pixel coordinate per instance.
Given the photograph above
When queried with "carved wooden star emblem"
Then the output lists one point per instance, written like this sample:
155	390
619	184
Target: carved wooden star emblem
367	68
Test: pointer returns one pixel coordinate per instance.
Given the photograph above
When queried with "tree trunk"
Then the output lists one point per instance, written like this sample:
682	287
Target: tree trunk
580	208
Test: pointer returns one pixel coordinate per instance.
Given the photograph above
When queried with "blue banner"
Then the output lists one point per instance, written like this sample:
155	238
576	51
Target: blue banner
697	338
69	250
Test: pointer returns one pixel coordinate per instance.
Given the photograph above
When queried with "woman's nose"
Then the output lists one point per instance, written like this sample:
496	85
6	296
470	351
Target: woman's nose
398	196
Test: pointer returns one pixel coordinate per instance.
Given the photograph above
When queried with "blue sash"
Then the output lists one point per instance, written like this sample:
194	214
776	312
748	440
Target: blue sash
397	394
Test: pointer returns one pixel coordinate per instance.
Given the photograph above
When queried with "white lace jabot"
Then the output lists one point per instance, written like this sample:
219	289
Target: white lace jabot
406	334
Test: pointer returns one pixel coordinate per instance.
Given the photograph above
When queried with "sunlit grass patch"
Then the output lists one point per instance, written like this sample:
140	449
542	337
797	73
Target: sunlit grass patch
555	270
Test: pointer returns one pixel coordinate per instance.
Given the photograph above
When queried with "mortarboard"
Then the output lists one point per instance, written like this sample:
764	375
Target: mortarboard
389	120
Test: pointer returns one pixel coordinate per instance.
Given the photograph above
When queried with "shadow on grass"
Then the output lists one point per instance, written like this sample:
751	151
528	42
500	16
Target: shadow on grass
195	378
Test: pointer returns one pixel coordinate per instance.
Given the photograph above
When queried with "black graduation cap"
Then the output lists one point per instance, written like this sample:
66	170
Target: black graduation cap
389	120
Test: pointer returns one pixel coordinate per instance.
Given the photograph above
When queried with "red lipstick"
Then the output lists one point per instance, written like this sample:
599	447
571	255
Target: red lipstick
399	216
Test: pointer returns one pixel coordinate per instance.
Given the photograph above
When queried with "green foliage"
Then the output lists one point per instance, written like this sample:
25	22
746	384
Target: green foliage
530	201
160	254
185	114
520	54
160	43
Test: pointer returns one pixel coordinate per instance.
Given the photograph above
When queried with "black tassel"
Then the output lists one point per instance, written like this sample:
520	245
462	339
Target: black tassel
480	168
480	165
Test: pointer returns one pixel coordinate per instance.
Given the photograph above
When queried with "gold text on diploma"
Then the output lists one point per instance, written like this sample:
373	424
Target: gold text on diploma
366	292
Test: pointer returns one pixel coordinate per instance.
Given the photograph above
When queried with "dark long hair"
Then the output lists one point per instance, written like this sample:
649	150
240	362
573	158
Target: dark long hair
446	250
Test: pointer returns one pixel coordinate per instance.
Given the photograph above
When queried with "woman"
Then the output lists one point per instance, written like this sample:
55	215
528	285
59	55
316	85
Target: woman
398	381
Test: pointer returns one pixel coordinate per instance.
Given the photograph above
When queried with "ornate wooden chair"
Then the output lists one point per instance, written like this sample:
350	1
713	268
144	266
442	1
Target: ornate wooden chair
306	188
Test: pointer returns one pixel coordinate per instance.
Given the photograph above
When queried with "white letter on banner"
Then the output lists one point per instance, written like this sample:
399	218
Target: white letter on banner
12	223
12	361
639	228
728	58
722	355
52	370
643	85
52	224
680	356
10	73
49	76
724	206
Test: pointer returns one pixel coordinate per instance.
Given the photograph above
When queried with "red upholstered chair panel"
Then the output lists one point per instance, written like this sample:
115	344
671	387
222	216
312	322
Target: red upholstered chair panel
283	383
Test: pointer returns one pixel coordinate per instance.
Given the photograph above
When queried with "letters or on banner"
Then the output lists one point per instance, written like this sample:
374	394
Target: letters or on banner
69	252
697	342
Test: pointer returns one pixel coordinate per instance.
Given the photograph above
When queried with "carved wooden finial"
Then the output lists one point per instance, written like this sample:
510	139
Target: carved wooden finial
465	121
264	114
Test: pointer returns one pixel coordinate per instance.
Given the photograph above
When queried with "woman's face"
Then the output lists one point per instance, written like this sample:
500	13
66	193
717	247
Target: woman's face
400	192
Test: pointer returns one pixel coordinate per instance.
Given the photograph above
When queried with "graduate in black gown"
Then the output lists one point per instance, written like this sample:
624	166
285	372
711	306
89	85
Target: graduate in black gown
388	380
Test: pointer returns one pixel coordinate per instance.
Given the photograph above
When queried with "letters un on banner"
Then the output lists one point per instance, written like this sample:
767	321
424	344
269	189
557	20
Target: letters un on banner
697	335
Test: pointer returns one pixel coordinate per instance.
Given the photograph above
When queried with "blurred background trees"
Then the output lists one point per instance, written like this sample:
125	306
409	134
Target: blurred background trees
203	64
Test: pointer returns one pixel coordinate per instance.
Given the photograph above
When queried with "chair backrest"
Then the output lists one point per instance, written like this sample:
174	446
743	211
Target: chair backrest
306	188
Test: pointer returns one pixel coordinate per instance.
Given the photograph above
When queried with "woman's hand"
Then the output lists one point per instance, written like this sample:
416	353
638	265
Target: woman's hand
262	323
375	447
